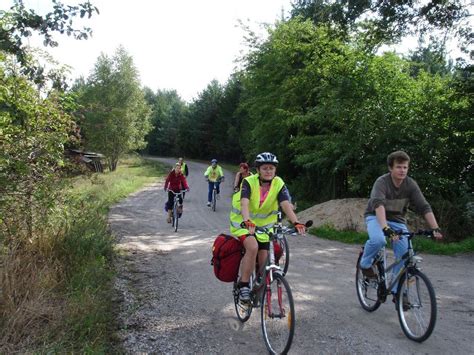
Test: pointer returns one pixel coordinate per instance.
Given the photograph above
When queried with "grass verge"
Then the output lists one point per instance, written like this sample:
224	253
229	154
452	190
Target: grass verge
420	244
61	299
89	284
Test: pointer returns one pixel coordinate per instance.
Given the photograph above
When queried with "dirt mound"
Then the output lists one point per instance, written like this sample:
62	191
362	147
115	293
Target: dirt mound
347	214
344	214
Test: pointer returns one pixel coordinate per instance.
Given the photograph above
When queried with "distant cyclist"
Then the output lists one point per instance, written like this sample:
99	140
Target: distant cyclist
214	175
176	182
241	175
390	197
257	204
184	167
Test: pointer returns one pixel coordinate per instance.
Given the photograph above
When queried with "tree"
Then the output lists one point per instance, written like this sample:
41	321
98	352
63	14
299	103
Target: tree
388	21
116	115
168	114
19	23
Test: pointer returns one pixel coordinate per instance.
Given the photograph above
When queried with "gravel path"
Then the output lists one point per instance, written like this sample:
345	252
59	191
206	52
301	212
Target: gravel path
171	303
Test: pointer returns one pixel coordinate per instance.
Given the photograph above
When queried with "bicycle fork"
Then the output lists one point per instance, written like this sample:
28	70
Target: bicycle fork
269	306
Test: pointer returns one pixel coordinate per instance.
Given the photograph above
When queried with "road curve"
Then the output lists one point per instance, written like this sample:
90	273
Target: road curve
169	302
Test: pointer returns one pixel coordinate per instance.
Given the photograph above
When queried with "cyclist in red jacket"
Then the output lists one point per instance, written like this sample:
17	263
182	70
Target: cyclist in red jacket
176	182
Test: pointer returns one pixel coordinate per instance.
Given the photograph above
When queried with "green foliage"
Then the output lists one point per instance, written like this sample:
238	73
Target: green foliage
116	114
387	21
20	23
420	245
33	130
169	115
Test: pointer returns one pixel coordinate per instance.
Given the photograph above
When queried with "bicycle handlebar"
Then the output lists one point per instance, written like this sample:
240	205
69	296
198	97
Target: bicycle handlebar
426	232
176	193
285	229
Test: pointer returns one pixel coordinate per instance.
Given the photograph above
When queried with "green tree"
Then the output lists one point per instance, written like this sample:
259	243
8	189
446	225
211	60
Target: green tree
168	114
206	136
116	115
19	23
33	131
388	21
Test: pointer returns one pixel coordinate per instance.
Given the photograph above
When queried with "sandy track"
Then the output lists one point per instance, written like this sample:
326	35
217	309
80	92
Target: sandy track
171	303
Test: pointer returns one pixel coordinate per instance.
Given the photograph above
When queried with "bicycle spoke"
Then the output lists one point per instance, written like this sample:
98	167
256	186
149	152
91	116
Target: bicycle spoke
417	306
367	291
243	310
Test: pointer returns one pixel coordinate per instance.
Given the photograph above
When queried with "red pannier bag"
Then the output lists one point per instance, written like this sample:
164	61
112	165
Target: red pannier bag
227	251
277	250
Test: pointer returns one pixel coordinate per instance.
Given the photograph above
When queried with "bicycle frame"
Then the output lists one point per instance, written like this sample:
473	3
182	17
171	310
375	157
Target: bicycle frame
175	207
409	259
265	273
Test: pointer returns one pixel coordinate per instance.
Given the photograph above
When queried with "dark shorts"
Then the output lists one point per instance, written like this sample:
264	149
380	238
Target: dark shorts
261	246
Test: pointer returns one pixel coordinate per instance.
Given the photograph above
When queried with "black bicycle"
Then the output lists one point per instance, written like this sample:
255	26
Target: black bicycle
415	296
177	209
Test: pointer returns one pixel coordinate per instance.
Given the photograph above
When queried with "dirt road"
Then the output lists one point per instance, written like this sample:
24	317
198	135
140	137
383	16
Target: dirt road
171	303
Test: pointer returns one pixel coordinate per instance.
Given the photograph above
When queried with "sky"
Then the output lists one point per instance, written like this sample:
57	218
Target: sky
175	44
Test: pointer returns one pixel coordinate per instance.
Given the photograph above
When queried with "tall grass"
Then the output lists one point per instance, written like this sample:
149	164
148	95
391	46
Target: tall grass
57	294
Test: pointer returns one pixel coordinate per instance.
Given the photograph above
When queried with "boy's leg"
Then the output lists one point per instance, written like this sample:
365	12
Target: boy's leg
400	247
374	244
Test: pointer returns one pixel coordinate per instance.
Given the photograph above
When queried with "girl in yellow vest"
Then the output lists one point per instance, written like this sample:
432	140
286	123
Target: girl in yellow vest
257	205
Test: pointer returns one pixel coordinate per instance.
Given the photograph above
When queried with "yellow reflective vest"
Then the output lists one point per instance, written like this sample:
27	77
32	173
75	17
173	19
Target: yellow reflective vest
265	215
214	174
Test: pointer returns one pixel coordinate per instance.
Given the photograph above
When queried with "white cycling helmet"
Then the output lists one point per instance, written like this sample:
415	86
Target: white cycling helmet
266	158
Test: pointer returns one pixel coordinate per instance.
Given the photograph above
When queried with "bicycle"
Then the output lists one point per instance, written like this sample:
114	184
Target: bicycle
271	292
175	214
415	296
215	194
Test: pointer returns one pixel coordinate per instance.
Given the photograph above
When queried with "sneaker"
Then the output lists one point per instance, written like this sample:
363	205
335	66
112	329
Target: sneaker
244	294
406	303
370	273
208	204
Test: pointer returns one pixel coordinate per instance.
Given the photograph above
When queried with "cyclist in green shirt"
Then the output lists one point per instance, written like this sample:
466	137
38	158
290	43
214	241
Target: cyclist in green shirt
214	175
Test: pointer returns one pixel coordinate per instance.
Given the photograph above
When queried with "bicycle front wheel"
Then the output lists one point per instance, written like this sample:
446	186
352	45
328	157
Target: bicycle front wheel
214	198
284	261
416	305
175	217
278	315
367	290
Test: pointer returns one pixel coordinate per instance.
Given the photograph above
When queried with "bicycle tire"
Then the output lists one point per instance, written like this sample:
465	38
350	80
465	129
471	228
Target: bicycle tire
175	217
243	310
367	290
418	317
214	199
277	315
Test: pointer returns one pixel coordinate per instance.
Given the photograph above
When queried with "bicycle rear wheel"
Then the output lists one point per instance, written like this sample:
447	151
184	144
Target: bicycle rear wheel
214	199
175	217
416	305
284	260
367	290
278	315
243	310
